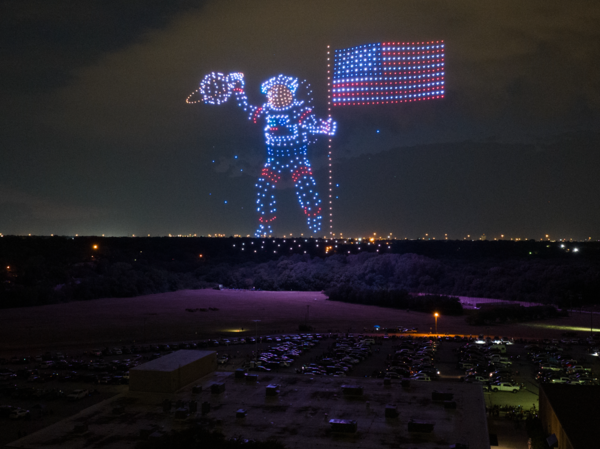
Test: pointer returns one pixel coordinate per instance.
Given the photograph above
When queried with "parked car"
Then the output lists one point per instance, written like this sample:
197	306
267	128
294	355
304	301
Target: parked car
421	377
261	368
578	368
505	386
475	379
19	414
77	394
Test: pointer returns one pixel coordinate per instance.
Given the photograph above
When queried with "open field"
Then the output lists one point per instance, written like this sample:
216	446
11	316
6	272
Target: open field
163	317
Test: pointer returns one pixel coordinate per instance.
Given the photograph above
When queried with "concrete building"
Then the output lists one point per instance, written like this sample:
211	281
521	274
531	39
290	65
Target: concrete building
172	372
571	413
302	412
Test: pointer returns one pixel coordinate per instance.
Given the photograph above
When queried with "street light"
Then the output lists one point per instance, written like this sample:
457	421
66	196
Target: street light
256	335
436	317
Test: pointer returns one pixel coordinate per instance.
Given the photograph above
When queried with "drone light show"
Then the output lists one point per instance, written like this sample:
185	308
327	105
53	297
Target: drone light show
289	125
388	72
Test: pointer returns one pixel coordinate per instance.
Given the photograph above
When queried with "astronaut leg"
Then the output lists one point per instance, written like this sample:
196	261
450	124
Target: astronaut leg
265	204
307	195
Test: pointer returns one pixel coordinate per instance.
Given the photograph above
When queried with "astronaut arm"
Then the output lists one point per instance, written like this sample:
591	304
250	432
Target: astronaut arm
317	126
242	101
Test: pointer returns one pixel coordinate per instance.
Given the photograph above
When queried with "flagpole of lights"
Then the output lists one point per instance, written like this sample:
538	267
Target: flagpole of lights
329	143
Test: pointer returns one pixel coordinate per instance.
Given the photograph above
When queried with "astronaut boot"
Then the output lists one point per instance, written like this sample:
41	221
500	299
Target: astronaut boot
314	224
263	231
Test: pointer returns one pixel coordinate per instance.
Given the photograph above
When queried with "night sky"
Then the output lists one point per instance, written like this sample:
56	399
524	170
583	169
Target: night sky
96	137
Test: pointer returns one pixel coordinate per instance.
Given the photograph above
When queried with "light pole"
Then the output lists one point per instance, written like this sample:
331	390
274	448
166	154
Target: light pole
436	317
256	335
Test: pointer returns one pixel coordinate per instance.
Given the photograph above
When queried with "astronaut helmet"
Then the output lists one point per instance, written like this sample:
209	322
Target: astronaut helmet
280	91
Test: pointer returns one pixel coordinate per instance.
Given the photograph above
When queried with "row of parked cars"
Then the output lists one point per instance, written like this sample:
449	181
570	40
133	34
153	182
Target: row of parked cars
413	358
92	365
341	356
555	365
283	352
16	413
200	344
58	359
74	370
487	364
344	354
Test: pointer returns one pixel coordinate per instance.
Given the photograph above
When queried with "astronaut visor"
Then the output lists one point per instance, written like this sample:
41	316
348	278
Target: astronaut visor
280	96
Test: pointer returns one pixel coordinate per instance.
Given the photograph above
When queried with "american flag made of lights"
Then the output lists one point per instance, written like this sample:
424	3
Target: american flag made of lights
388	72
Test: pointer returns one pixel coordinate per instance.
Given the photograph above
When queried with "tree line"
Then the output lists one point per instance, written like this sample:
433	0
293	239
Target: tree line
52	270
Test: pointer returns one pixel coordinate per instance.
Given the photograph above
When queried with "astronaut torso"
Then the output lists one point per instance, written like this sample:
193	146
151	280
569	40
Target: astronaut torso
284	131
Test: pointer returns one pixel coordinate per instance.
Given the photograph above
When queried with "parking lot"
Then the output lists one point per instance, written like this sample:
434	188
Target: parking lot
40	384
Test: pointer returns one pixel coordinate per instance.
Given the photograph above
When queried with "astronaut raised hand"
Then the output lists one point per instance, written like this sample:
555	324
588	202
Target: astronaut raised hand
216	88
328	126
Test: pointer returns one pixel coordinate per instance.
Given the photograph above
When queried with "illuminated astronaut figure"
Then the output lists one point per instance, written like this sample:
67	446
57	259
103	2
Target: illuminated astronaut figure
289	126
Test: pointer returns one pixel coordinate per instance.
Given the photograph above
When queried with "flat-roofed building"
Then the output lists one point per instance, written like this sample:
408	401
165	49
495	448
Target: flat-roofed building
172	372
570	413
308	412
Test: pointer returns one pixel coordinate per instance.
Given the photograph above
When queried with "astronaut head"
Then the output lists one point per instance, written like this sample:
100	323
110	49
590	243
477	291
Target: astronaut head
280	91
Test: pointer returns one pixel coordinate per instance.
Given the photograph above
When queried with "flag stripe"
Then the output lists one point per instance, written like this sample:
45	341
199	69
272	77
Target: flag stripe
388	72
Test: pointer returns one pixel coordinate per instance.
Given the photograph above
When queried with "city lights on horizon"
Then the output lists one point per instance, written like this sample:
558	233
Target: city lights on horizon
330	245
366	238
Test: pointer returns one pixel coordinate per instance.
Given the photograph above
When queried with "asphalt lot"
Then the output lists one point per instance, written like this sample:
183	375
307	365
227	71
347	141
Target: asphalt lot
45	411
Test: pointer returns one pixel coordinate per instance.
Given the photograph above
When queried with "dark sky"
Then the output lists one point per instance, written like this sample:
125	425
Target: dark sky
96	137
